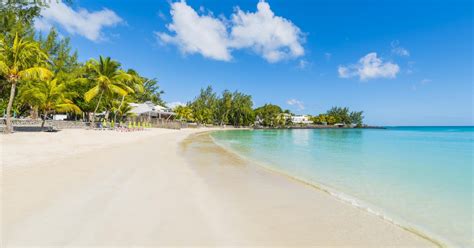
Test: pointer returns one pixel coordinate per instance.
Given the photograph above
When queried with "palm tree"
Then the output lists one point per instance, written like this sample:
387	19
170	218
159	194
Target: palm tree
136	83
121	109
19	62
48	96
108	79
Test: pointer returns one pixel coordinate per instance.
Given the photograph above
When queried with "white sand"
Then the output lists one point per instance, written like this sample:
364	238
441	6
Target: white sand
102	188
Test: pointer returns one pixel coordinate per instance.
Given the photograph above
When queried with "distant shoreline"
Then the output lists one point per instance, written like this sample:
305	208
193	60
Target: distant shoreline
321	127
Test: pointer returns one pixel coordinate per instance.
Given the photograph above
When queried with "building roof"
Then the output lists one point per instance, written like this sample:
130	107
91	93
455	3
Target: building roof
148	108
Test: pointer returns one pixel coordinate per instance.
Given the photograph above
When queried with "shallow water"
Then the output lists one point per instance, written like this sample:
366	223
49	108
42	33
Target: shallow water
420	177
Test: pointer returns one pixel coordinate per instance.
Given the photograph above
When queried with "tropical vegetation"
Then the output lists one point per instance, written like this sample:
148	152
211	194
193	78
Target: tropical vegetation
41	75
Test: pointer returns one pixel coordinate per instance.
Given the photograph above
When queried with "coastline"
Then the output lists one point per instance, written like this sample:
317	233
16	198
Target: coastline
341	196
258	165
139	189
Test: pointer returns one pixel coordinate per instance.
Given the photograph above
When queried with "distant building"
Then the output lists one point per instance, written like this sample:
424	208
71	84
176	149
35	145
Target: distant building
301	119
59	117
148	109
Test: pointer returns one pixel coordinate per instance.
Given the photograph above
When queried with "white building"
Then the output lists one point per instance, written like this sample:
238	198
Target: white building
151	110
301	119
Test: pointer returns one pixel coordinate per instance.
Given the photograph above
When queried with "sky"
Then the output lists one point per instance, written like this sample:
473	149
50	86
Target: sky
401	62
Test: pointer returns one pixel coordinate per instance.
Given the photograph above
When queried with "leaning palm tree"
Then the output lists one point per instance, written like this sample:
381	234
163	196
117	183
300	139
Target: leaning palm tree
48	96
108	79
20	61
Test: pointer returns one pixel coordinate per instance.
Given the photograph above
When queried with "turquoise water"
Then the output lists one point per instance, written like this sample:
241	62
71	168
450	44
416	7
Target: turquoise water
419	177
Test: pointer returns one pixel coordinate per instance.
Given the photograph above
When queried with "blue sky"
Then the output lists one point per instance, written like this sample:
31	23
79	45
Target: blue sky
402	62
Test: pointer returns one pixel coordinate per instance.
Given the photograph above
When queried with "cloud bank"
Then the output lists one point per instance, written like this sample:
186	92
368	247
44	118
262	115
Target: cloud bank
274	38
81	22
369	67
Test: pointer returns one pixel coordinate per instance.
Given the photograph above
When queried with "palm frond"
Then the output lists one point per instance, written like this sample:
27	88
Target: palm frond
89	95
68	107
35	73
118	90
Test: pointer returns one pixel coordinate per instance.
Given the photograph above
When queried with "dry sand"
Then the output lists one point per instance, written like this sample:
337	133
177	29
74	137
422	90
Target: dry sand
103	188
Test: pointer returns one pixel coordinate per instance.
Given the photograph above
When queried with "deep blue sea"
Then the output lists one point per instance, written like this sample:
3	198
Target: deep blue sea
418	177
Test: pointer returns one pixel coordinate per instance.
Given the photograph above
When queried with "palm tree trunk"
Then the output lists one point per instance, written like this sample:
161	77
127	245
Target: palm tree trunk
95	110
44	119
119	108
8	124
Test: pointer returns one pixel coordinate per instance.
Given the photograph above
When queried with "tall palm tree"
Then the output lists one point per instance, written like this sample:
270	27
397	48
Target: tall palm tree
48	96
20	61
108	78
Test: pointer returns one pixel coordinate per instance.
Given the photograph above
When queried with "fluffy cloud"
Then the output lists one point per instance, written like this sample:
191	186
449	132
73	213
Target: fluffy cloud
196	33
398	50
294	102
81	22
272	37
369	67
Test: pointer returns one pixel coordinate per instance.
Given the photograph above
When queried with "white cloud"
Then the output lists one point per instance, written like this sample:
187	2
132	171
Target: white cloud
369	67
196	33
297	103
81	21
398	50
272	37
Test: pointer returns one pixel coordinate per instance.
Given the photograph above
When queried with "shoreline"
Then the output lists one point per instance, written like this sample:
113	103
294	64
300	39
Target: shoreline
107	195
341	196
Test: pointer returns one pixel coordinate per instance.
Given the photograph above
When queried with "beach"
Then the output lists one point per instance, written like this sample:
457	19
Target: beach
164	187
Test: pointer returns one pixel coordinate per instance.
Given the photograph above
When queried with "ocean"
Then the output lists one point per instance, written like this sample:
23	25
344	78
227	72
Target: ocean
416	177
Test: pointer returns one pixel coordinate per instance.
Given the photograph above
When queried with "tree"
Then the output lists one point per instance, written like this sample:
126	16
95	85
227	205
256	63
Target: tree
357	118
21	60
224	106
204	106
107	78
341	115
151	92
62	59
184	113
48	96
135	83
268	115
18	16
241	109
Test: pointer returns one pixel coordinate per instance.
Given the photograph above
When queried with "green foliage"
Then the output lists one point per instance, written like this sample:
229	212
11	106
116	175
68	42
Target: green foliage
357	118
48	96
241	112
270	115
17	17
151	92
204	106
234	108
20	60
184	113
108	80
339	115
